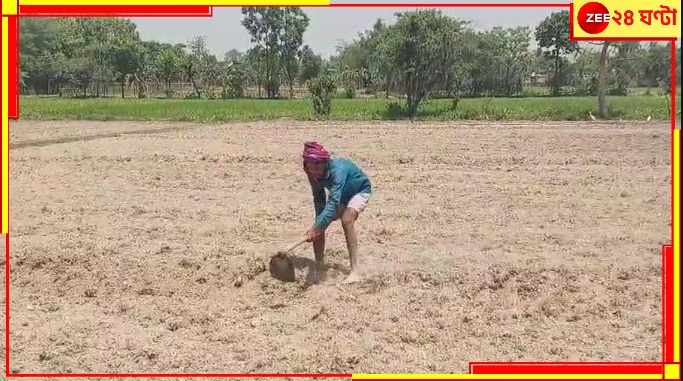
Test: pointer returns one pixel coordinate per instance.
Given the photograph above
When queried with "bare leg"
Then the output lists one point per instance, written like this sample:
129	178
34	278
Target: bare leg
316	273
348	223
319	249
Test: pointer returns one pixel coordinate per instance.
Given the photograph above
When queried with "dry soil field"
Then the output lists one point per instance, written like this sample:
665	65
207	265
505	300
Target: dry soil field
146	252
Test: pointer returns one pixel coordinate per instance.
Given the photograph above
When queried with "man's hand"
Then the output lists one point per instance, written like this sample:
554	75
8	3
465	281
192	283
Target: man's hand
312	233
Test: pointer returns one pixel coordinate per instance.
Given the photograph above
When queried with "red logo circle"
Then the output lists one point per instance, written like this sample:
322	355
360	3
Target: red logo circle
593	17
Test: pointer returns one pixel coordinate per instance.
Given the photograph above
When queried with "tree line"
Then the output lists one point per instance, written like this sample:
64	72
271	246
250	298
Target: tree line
423	54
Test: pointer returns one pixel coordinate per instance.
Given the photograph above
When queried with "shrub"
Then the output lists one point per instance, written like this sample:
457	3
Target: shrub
322	90
394	111
349	92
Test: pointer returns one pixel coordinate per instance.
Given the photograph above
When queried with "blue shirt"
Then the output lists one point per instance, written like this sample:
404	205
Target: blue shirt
343	179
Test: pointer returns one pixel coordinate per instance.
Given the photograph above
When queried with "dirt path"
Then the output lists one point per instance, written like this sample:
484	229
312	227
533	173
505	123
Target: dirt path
515	242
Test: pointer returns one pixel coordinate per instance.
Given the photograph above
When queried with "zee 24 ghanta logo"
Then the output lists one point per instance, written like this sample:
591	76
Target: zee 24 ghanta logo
594	17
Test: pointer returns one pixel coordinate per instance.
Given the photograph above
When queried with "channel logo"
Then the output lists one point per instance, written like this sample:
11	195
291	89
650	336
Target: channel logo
593	18
614	19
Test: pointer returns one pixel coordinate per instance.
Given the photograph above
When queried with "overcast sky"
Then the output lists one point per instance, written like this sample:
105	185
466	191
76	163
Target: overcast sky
329	25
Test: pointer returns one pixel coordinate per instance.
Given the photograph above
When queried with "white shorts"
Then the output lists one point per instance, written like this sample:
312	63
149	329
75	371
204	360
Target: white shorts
359	202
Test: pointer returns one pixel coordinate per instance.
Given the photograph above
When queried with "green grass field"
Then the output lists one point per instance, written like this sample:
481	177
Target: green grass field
556	109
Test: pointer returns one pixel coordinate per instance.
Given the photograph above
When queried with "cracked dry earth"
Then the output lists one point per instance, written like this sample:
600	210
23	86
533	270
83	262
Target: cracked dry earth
142	247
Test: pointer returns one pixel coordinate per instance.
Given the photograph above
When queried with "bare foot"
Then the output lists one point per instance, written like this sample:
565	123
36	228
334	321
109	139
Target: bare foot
316	274
352	278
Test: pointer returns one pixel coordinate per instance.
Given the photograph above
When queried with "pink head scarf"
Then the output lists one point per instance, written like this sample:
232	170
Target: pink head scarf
315	153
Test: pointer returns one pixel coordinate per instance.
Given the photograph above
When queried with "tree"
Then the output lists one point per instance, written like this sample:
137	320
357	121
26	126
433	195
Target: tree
295	22
622	67
310	63
278	35
233	55
513	58
256	67
127	60
602	73
363	56
123	44
231	78
199	65
584	72
498	61
264	25
552	35
421	49
168	65
146	71
38	44
657	63
106	56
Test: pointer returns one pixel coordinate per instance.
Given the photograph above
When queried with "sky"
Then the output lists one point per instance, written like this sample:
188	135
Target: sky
329	26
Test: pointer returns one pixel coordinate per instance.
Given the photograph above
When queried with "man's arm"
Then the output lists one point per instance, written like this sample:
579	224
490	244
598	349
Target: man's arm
327	215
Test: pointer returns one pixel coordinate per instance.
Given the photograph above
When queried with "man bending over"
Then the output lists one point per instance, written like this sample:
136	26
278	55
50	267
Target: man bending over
349	190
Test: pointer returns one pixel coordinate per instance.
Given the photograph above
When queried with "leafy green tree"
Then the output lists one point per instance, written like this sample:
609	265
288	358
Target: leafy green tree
310	63
552	35
363	56
513	58
234	55
169	66
265	25
199	66
231	78
106	56
295	22
584	71
278	35
420	50
657	63
623	66
40	55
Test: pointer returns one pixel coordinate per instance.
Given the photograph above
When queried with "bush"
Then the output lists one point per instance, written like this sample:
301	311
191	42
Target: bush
395	111
618	92
322	91
349	92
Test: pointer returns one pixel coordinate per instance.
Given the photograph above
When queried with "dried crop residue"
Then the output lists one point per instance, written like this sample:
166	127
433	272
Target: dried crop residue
512	242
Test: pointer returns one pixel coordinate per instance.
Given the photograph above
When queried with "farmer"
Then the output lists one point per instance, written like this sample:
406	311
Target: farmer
349	189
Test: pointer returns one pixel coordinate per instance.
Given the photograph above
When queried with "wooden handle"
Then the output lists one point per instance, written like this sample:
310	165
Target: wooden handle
303	240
